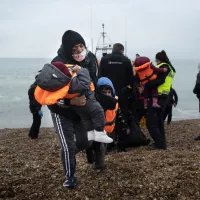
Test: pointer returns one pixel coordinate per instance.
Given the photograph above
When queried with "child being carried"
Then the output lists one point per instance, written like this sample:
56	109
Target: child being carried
58	82
146	72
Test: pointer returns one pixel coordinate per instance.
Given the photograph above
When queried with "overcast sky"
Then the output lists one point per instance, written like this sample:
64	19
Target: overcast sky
34	28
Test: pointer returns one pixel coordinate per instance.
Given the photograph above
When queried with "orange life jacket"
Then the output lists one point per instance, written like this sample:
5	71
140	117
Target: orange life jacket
110	119
145	73
49	98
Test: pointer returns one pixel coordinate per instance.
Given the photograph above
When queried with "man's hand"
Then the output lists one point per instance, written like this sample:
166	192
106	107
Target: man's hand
174	105
165	69
76	68
78	101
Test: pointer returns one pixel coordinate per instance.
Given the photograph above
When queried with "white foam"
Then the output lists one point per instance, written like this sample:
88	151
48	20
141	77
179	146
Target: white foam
185	114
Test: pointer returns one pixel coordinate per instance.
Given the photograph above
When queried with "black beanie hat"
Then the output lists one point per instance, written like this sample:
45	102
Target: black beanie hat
69	40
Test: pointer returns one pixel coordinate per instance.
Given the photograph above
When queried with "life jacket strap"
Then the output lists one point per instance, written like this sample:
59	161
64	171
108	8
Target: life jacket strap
147	77
110	123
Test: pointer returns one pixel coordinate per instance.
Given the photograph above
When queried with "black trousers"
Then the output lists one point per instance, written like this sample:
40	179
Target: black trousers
168	114
35	128
67	130
96	153
140	111
155	123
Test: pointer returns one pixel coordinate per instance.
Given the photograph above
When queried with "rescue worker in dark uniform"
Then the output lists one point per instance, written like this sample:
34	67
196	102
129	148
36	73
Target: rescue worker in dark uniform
154	117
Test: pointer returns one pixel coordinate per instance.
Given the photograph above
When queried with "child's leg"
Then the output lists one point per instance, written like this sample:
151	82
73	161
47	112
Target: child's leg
155	98
97	115
93	118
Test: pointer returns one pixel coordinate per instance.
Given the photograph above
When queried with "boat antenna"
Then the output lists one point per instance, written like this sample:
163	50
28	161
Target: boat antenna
103	34
91	29
104	47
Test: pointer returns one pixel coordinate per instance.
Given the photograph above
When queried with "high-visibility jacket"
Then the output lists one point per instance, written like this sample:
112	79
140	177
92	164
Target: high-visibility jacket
166	86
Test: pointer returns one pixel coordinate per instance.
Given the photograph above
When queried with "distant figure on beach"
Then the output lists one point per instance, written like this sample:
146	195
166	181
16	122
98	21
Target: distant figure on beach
173	101
196	91
154	117
36	111
137	55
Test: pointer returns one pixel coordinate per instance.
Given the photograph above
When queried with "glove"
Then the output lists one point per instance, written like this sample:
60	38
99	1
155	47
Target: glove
40	113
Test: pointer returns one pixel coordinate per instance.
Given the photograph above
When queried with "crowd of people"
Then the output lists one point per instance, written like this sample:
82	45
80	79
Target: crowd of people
97	107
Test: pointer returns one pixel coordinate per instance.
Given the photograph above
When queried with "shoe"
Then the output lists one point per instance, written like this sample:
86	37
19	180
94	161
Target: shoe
122	150
70	183
33	137
156	148
197	138
148	141
91	135
101	136
99	168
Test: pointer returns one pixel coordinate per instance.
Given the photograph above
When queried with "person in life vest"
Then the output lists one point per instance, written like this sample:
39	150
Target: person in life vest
105	95
154	116
147	72
78	82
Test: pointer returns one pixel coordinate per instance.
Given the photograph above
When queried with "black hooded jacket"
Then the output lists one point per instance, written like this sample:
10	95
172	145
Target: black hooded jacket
67	111
34	106
69	40
196	89
118	69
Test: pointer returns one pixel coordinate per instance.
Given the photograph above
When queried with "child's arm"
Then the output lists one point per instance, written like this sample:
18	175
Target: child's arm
81	82
158	70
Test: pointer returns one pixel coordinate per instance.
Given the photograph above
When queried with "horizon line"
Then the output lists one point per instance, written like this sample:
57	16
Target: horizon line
52	58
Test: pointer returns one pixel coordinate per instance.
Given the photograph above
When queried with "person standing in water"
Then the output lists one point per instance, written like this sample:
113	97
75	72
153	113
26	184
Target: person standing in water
196	91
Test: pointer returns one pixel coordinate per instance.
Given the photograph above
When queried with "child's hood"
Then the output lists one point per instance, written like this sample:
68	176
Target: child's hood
103	81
